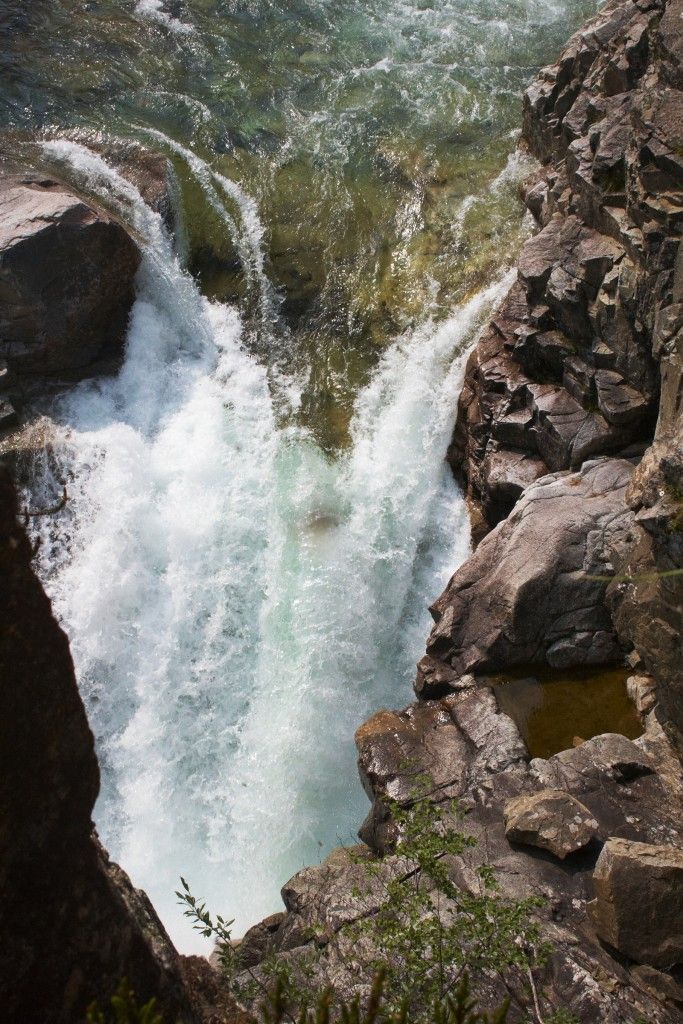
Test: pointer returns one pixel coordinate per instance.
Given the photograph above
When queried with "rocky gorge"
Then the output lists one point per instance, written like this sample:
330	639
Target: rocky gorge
568	445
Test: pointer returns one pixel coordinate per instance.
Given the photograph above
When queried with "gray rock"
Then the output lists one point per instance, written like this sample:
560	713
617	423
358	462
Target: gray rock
638	906
258	941
549	554
551	820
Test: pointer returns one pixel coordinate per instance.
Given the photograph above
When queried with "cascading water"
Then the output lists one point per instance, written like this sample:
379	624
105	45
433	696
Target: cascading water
258	508
237	600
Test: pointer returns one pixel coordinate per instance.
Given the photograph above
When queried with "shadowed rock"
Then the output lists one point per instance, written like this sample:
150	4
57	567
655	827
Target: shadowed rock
638	906
72	925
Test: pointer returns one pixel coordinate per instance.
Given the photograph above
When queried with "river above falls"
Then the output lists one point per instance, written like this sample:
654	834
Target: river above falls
259	511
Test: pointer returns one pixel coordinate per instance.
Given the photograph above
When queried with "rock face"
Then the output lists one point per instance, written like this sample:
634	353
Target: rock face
638	906
72	925
66	279
586	353
533	592
616	787
568	369
551	820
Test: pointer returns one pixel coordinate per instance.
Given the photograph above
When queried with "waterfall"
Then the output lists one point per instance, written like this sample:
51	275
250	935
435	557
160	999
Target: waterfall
237	601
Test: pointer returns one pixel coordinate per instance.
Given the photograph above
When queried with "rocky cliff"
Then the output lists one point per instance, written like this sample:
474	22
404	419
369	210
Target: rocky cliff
585	357
72	925
568	442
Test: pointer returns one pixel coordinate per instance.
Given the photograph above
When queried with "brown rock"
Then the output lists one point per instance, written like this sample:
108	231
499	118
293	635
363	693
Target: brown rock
548	555
66	279
638	906
552	820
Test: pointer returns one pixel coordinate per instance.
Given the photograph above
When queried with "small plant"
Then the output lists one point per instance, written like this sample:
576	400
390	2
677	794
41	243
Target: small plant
457	1008
203	922
124	1009
428	931
428	934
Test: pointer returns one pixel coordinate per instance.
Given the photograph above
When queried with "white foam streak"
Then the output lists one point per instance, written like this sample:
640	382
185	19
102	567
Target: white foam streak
250	239
153	10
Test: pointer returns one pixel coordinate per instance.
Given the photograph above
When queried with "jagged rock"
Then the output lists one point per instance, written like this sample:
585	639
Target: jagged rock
641	690
550	553
638	906
587	765
72	925
434	679
66	278
552	820
606	123
622	792
257	941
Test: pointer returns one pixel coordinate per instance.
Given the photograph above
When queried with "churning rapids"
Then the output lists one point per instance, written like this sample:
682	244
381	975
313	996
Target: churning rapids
238	598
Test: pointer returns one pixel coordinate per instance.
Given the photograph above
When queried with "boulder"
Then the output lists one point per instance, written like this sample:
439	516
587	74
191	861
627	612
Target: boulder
552	820
590	764
638	905
534	591
67	275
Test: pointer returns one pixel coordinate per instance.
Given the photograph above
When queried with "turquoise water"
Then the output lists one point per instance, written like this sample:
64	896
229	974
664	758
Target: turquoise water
259	511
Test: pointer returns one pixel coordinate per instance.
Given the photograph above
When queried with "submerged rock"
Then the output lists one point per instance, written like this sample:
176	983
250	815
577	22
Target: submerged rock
638	906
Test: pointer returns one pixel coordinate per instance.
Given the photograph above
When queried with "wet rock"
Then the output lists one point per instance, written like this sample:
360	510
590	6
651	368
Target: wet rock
151	173
551	820
550	553
66	279
638	906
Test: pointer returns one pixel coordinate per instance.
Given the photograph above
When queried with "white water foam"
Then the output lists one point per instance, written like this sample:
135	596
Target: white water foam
153	10
237	602
250	239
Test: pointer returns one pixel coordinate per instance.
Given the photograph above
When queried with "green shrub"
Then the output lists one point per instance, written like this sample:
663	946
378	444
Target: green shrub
124	1009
